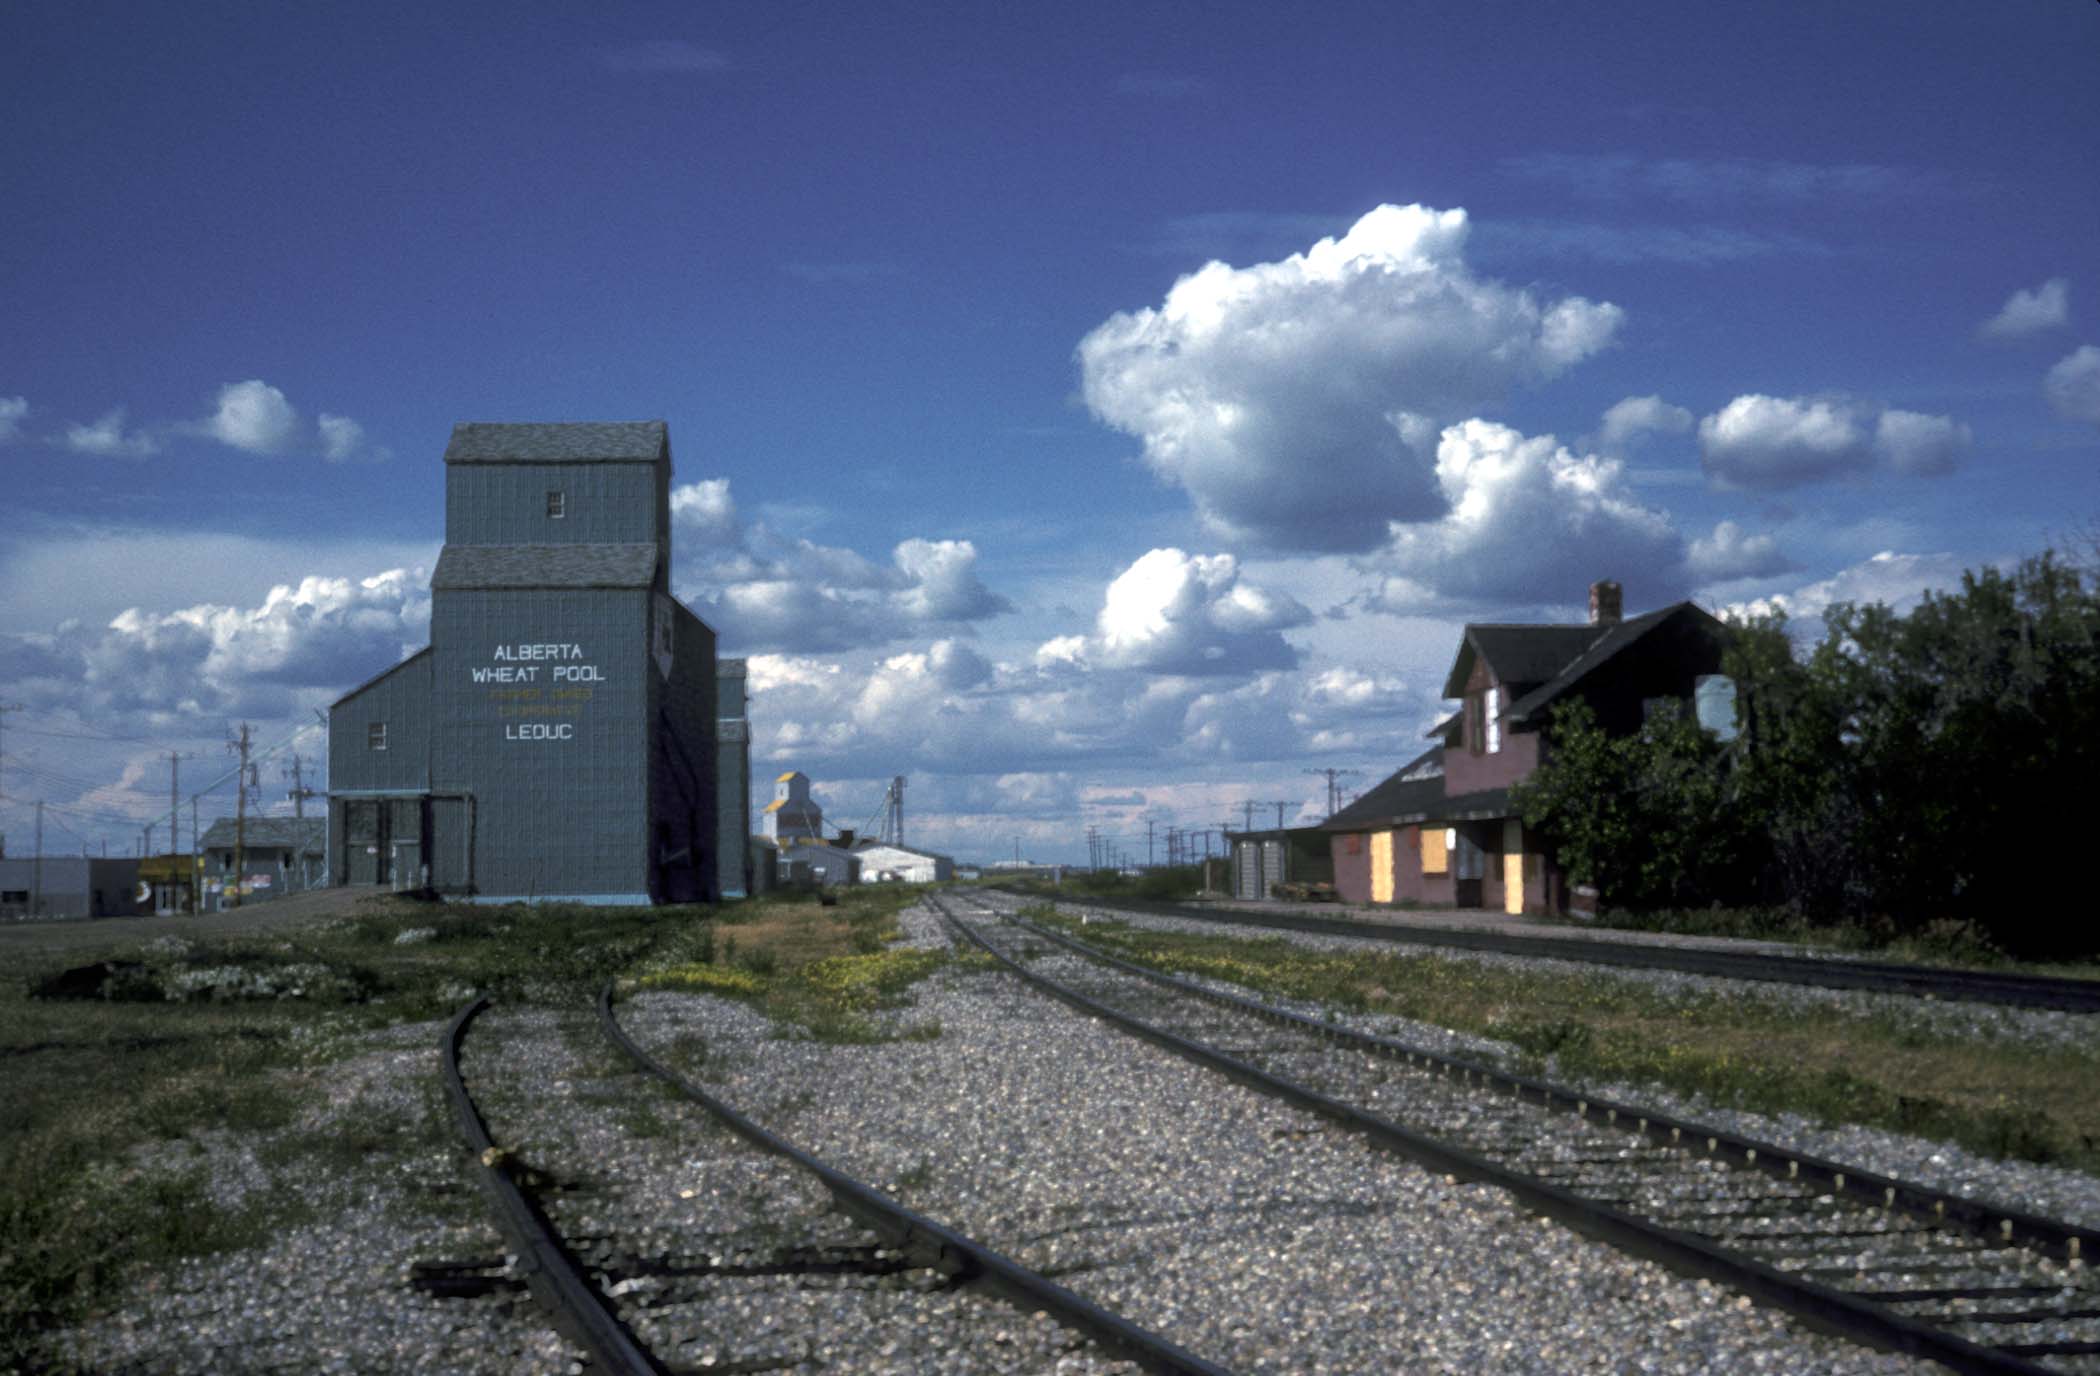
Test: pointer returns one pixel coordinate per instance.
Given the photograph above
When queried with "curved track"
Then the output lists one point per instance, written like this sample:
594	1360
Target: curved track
581	1311
1878	1259
1828	972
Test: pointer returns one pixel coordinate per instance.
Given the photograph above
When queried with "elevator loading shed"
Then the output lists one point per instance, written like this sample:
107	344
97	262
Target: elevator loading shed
556	738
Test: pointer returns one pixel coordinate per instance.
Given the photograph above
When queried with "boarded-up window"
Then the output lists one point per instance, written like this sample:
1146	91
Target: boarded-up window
1353	843
1436	856
1381	867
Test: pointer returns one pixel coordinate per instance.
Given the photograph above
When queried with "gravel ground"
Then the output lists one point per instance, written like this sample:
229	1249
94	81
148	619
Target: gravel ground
332	1294
2068	1195
1256	1235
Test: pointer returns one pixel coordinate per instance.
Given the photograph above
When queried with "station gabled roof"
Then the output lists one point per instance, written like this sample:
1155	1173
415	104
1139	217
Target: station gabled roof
1542	662
640	441
546	566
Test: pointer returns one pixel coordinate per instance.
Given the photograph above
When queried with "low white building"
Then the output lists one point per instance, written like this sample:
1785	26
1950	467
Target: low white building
882	861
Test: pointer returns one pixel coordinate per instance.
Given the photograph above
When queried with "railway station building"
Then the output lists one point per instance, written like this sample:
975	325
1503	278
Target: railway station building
1441	830
559	736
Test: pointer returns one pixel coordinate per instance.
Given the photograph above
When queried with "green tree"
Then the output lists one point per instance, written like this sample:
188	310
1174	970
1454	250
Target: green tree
1646	818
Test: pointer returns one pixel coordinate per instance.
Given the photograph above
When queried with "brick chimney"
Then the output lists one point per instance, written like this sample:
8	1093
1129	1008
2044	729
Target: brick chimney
1605	603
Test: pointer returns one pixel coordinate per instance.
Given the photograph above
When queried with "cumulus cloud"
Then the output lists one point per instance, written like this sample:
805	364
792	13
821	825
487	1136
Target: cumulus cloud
254	416
705	511
1731	552
762	592
2073	385
1913	443
1280	396
341	437
1177	613
12	409
1629	420
2030	311
1766	443
1528	521
321	635
1897	580
108	438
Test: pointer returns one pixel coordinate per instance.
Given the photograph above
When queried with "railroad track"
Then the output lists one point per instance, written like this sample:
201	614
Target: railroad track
1828	972
1880	1260
579	1297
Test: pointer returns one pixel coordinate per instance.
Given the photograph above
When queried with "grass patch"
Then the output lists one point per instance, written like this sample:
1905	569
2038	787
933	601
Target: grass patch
820	970
115	1089
2002	1098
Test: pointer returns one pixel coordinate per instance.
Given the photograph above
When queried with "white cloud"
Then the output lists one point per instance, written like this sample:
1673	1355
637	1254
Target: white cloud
254	416
1278	395
1615	176
1762	442
1731	552
341	437
1913	443
1529	522
2073	385
1176	613
12	409
1898	580
303	644
705	510
2028	312
764	593
1635	417
108	438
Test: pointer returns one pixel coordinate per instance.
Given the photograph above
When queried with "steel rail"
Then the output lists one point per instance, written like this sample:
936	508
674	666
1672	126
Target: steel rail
551	1270
1829	972
929	1243
1689	1253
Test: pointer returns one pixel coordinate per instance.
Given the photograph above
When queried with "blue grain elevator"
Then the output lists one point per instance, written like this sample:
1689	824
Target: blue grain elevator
557	737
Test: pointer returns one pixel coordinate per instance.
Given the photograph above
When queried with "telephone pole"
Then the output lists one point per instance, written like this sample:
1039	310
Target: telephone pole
1248	808
300	792
1279	813
36	904
5	708
1148	843
1334	792
240	813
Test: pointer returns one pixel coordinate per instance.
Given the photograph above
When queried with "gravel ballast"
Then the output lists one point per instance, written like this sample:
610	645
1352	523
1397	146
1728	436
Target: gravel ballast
2054	1193
1256	1235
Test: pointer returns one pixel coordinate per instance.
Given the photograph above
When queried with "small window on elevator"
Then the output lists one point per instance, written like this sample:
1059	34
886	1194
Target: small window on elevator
557	504
375	736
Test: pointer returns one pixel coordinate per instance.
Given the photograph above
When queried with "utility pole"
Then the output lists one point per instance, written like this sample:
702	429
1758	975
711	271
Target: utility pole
1279	813
5	708
300	792
1334	792
240	814
36	904
1248	807
1148	843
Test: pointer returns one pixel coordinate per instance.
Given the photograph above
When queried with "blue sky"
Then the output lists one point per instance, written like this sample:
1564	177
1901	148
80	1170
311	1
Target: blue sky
1097	416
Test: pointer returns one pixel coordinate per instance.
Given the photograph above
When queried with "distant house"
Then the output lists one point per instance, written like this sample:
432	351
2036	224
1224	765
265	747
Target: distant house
883	861
34	886
267	857
1440	829
806	859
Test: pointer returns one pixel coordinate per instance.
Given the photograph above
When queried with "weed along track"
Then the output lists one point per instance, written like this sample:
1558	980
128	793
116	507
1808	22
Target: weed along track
664	1231
1891	1263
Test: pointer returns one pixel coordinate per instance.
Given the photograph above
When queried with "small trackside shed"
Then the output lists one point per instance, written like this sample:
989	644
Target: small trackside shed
1289	855
557	737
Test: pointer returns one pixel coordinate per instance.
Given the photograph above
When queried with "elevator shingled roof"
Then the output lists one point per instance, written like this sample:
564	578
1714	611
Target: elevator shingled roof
638	441
545	566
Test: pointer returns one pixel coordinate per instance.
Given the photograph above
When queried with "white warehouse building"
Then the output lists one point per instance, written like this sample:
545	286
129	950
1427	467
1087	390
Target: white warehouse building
884	861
